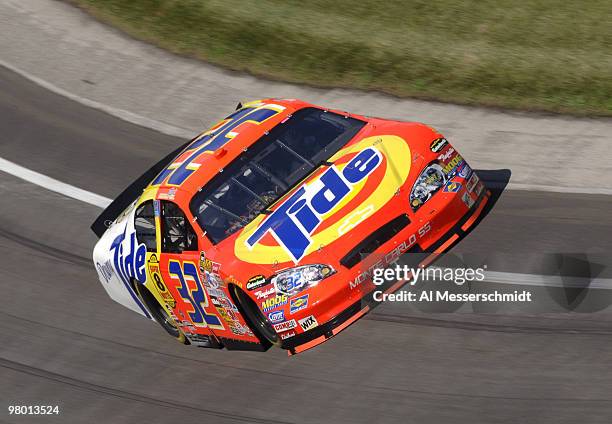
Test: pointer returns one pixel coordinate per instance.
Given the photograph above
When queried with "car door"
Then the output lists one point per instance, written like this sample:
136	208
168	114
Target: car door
180	256
156	295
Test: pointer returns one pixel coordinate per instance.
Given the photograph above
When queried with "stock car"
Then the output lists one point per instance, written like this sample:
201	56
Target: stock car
261	231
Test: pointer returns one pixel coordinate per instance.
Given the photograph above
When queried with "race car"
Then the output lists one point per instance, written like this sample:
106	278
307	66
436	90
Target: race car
261	231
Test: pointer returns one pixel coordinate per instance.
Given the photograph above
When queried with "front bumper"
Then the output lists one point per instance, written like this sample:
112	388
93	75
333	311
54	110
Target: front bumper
356	310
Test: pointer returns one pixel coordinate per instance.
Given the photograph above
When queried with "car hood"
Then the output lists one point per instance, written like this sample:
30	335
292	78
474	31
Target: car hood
329	213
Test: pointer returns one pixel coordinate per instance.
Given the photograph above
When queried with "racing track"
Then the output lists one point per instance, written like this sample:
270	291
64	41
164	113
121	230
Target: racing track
63	341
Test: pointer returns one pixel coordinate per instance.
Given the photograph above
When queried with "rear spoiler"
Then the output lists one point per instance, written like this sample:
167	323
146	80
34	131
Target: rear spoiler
130	194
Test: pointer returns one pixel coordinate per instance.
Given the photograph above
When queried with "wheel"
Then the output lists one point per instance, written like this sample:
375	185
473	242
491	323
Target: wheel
159	313
258	322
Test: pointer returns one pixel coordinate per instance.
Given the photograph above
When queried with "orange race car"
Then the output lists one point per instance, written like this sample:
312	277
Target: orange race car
260	231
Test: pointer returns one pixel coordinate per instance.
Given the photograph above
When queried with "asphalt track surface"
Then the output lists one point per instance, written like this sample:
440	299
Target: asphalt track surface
64	342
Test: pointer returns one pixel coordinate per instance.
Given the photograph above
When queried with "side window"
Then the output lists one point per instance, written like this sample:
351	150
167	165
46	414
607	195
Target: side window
177	233
144	224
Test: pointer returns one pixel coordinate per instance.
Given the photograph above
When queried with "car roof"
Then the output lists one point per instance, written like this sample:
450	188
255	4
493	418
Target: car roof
214	149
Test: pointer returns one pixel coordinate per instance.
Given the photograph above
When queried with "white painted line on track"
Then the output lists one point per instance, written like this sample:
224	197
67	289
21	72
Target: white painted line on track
547	280
539	280
551	189
53	184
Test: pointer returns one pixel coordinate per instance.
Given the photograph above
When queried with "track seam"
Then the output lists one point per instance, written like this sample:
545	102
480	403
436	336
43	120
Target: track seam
47	250
62	379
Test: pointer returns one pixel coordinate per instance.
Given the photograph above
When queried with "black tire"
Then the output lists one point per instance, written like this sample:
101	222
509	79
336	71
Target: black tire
256	320
159	313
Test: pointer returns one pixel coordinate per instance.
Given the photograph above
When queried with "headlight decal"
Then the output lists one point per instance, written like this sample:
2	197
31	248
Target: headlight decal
429	182
296	280
438	174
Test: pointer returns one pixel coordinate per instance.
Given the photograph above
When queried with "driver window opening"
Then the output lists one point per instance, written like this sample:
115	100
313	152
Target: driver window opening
177	233
144	224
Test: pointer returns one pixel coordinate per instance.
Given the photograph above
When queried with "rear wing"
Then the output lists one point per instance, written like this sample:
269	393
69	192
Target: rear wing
130	194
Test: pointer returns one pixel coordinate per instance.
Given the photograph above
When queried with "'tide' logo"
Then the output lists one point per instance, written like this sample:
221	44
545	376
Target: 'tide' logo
295	220
129	261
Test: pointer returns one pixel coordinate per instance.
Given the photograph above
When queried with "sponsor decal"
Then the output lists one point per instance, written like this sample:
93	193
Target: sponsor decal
225	314
437	144
212	280
208	265
232	321
276	316
287	335
216	292
452	165
308	323
284	326
479	188
274	302
170	302
240	329
129	258
169	195
227	304
464	170
153	263
156	208
290	284
232	280
452	187
472	182
263	294
202	263
158	280
467	199
256	282
355	219
298	304
444	156
294	221
209	271
435	177
105	270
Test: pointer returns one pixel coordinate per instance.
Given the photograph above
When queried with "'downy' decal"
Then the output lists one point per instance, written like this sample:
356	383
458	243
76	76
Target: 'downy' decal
129	262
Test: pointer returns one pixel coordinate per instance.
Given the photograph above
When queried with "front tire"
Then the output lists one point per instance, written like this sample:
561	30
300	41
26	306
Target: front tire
256	319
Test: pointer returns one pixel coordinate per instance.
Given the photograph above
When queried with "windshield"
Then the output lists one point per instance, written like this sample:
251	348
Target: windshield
269	168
